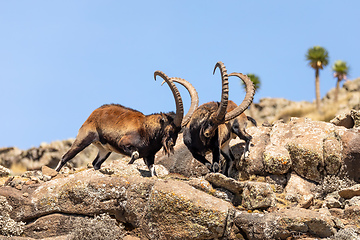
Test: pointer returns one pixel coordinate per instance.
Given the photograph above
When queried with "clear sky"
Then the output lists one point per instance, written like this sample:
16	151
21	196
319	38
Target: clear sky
60	60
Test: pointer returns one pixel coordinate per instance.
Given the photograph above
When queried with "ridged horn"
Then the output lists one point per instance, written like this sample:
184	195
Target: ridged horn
178	101
193	95
250	92
219	115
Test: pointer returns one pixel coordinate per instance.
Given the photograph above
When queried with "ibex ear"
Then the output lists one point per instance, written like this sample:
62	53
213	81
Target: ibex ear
162	118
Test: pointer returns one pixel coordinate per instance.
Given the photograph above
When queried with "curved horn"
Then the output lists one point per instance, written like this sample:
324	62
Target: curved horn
179	104
193	95
250	92
218	116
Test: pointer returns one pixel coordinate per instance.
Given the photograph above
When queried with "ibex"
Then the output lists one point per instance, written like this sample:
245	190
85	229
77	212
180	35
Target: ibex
213	124
115	128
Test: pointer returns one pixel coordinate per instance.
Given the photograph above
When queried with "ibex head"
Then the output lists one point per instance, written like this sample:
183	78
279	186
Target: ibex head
220	115
171	123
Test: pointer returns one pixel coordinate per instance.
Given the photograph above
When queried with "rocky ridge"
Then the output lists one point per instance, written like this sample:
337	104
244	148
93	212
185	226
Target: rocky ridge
273	109
300	181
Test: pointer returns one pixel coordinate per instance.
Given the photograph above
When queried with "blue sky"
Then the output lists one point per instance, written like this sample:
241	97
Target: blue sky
60	60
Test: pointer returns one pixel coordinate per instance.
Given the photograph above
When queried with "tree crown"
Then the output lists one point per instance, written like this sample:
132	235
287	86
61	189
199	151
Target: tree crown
318	57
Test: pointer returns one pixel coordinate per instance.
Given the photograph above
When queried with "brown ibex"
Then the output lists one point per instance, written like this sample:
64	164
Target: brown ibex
213	124
115	128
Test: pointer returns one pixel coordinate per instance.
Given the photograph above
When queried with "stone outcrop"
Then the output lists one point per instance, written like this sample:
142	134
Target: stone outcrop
46	154
71	205
312	149
273	109
300	180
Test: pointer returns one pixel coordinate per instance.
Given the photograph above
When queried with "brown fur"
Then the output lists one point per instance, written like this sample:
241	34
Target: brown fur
115	128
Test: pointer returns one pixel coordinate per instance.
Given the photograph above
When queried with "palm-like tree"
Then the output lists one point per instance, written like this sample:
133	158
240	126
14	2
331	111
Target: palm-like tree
255	79
341	70
318	58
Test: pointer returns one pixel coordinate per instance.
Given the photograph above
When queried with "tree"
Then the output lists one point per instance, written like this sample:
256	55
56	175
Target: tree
318	58
341	70
255	79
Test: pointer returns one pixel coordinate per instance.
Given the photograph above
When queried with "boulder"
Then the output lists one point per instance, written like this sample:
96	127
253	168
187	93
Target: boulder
297	187
258	195
182	161
4	171
312	149
282	224
159	208
350	192
177	211
351	153
8	226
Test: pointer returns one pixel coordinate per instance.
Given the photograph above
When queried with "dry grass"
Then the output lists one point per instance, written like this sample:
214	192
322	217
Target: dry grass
17	169
328	111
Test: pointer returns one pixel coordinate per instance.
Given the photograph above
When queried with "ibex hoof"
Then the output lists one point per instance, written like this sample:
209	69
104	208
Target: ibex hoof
135	155
208	165
216	167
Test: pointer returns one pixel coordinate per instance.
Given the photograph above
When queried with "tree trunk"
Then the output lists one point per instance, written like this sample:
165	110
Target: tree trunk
317	89
337	89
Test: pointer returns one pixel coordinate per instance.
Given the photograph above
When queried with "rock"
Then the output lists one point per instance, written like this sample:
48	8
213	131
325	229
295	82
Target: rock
128	237
352	213
8	156
8	226
333	200
347	234
75	227
257	195
158	208
312	149
352	86
268	108
205	186
349	119
181	161
48	171
221	180
306	147
350	192
278	181
297	187
47	155
276	157
351	153
281	225
4	171
332	147
276	160
344	120
355	115
354	201
201	184
178	211
306	201
254	164
273	109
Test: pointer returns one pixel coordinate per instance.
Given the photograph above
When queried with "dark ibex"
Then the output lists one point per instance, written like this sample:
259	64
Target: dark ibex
213	124
115	128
